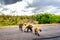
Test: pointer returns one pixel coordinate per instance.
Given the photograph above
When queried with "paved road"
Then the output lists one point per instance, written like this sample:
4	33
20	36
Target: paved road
48	33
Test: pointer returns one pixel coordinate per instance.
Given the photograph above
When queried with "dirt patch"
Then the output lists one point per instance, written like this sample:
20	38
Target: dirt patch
16	26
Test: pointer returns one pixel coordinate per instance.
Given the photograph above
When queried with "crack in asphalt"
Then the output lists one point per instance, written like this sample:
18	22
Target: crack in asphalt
46	38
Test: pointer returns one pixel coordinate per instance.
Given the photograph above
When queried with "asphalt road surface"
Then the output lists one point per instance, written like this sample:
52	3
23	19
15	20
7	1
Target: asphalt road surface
48	33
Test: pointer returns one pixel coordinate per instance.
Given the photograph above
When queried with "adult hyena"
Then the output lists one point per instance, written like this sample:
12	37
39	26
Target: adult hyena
28	28
20	27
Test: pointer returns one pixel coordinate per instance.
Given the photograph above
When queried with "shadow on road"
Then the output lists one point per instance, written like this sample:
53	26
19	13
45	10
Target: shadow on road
46	38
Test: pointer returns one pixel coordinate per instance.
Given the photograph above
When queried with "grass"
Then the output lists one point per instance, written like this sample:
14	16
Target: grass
8	26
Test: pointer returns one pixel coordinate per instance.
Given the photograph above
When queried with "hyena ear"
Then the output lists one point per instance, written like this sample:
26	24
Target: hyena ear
40	30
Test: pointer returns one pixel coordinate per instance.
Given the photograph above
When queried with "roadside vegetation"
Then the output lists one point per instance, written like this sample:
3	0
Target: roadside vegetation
45	18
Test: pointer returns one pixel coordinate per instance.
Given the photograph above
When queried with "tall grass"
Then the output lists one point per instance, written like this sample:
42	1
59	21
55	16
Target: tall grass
41	18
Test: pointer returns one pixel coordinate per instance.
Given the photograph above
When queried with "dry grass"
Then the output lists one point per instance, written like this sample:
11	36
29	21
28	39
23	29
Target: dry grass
12	26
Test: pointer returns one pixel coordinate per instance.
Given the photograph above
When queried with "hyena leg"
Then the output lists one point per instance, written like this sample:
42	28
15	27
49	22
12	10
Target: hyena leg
31	29
27	29
36	33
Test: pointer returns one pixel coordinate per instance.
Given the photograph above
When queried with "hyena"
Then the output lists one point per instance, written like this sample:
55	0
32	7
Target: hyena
37	30
28	28
20	26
